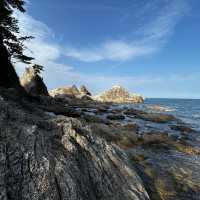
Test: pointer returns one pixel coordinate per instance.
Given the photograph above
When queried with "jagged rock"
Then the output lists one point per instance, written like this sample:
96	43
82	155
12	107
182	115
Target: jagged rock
65	92
118	94
32	82
53	157
85	97
84	91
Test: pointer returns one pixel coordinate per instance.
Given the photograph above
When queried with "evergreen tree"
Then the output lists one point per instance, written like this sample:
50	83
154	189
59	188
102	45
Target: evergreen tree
11	45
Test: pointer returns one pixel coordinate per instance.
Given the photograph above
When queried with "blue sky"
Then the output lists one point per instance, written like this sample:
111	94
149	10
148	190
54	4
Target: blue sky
151	47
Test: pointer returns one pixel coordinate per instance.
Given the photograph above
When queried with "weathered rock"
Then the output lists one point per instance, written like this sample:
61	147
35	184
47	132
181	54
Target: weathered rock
71	91
116	134
33	82
115	117
153	117
46	155
168	174
55	157
118	94
131	127
71	94
182	128
84	91
95	119
85	97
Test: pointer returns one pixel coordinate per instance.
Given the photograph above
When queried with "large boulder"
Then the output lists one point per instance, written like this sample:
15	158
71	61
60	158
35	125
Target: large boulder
33	82
118	94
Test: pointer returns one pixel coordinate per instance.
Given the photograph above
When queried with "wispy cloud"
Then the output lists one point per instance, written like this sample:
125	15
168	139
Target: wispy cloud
43	48
111	50
155	22
48	53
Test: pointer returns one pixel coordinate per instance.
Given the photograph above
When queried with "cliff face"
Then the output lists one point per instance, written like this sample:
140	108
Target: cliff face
118	94
54	157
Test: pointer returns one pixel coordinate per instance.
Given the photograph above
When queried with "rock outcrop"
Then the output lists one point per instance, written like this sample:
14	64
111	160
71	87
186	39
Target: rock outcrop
48	156
84	91
55	150
71	92
118	94
33	82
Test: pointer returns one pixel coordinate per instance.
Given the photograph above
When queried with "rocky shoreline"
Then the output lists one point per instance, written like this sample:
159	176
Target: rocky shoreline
69	146
53	148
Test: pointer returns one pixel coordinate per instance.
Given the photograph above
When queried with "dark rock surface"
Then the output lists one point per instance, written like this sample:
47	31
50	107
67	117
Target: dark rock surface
46	156
153	117
83	90
115	117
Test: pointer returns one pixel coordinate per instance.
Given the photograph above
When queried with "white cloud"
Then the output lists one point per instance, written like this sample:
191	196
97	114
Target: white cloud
48	53
112	50
157	21
42	48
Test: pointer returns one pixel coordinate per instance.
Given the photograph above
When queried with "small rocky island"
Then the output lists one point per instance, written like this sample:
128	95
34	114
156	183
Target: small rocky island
66	145
118	94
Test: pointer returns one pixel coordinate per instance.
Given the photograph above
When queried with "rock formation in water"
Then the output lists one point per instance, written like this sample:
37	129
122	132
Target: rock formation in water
68	91
118	94
71	92
33	82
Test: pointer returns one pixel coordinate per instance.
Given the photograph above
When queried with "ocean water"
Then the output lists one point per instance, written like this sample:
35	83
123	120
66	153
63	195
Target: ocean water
187	110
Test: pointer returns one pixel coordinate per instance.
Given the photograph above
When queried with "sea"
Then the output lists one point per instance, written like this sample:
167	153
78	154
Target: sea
188	110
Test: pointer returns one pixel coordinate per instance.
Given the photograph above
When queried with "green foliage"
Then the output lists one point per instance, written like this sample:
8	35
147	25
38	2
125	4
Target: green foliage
9	30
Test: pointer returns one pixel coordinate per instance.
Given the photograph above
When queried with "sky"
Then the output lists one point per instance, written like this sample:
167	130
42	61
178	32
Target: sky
150	47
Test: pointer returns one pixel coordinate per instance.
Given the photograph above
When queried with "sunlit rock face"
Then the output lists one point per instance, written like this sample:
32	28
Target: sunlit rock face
118	94
71	91
33	82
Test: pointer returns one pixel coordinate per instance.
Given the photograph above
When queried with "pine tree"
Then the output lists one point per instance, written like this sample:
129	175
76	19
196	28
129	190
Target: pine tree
11	45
